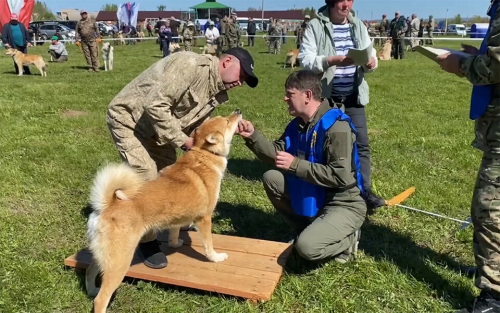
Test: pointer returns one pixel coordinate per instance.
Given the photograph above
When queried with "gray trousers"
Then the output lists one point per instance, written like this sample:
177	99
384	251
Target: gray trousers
328	234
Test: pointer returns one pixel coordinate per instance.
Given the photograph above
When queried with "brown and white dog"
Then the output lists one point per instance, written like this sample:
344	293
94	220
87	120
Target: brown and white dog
126	207
291	57
385	52
27	59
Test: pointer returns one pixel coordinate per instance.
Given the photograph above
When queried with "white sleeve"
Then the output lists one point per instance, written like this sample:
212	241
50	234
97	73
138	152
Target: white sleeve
366	41
308	53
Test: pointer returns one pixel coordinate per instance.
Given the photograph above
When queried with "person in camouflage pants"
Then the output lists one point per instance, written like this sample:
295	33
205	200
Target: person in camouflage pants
88	37
156	112
187	36
232	33
482	69
275	37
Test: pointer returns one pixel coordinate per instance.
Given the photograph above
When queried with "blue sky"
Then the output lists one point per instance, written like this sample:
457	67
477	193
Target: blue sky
365	8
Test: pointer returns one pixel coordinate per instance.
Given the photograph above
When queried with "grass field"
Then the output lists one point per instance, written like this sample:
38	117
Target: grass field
420	136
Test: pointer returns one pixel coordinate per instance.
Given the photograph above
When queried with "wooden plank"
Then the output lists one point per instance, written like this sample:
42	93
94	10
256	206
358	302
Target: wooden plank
186	276
401	197
247	273
236	259
239	244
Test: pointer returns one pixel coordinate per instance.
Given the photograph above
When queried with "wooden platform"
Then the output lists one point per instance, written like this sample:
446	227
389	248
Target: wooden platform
252	270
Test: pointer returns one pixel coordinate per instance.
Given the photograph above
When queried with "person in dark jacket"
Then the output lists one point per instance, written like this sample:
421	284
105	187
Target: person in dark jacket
166	38
15	35
251	30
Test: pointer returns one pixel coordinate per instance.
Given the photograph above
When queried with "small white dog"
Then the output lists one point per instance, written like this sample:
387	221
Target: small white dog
107	55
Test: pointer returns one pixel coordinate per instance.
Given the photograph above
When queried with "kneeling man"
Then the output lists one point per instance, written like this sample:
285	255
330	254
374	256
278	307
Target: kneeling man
318	187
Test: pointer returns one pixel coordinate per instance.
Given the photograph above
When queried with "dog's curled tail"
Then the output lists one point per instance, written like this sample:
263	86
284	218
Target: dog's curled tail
115	181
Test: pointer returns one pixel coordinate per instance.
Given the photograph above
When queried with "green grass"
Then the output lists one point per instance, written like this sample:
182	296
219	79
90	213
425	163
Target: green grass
420	136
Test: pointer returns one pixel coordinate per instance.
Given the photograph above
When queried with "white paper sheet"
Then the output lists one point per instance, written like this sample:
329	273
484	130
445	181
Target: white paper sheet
361	57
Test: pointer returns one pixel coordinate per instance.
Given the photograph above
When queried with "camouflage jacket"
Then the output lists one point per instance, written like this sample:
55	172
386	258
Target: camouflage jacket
275	29
337	174
188	34
484	69
232	30
169	99
87	30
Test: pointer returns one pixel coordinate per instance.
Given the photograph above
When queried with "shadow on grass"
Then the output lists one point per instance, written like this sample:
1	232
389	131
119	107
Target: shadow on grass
248	169
382	243
378	242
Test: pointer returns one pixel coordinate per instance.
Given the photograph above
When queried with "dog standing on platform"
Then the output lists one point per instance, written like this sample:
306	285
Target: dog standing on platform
126	207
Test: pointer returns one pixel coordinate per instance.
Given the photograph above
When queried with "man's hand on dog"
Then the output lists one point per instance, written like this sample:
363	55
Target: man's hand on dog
284	160
188	144
245	129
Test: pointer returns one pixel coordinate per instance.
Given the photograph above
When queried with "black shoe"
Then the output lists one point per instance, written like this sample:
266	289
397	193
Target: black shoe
373	202
485	303
153	256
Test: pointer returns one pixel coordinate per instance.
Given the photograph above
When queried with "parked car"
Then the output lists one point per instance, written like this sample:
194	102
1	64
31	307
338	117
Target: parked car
48	30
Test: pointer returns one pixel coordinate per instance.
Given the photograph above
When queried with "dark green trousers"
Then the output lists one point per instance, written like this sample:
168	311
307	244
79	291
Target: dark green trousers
328	234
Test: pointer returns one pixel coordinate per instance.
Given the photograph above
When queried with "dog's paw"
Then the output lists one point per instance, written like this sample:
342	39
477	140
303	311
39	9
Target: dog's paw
180	242
218	257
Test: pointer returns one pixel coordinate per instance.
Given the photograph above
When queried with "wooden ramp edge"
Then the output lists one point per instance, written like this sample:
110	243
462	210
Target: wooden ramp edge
401	197
252	271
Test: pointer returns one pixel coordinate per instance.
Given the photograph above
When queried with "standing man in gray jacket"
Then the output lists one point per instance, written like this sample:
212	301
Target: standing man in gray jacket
342	81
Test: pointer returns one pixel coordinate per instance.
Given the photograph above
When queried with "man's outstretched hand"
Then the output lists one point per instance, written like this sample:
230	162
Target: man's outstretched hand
245	129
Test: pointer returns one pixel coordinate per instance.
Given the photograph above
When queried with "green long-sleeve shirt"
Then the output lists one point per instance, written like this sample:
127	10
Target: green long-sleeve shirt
338	174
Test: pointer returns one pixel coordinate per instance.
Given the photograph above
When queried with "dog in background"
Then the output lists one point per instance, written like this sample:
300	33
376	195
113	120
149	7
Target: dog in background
291	57
211	49
385	52
125	206
174	47
27	59
107	56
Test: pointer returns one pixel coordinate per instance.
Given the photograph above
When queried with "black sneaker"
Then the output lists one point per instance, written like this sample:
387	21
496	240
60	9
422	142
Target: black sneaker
373	202
485	303
153	256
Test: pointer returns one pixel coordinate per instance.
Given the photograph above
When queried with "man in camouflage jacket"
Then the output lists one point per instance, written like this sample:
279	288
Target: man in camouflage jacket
157	111
482	69
87	36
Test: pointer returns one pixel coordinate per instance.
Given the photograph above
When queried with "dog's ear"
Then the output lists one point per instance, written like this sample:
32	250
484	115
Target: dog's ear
214	138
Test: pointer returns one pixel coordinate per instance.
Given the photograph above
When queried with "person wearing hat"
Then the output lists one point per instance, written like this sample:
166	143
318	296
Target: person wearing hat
399	27
301	29
314	186
212	34
342	81
88	37
430	30
156	112
15	35
382	29
187	36
232	33
57	51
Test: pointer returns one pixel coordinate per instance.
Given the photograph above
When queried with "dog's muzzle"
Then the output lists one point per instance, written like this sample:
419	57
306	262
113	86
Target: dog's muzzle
237	111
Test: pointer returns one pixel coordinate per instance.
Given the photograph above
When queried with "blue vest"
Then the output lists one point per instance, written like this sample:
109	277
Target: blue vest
481	94
306	198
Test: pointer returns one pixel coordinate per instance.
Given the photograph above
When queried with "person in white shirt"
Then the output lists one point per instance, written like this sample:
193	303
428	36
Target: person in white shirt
212	34
57	51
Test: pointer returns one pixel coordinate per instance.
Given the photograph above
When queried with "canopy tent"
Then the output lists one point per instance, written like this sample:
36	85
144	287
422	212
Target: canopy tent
210	9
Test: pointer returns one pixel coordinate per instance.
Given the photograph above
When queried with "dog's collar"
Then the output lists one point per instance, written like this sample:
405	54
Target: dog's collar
199	150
